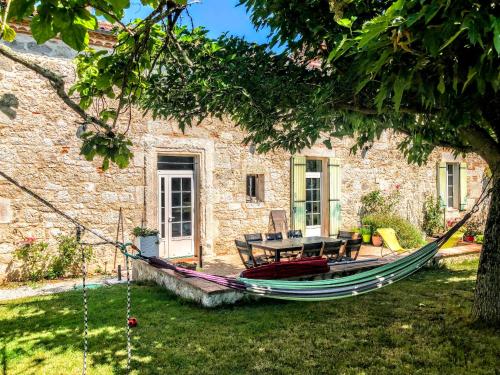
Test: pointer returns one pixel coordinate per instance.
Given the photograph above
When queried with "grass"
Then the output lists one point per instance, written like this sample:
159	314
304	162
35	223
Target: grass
418	326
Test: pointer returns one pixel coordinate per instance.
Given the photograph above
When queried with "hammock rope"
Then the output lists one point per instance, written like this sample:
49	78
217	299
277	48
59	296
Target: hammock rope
321	290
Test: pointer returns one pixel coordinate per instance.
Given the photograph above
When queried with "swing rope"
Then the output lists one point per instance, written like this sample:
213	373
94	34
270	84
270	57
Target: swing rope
85	300
80	229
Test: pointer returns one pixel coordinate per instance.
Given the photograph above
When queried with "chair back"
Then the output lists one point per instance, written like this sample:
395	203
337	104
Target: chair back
311	250
294	233
345	235
390	240
274	236
252	237
353	246
331	250
245	253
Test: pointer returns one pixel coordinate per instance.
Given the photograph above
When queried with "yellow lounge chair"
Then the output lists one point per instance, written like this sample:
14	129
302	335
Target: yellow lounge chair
390	241
453	240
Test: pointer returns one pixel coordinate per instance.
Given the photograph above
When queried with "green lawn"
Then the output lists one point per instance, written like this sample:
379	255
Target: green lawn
418	326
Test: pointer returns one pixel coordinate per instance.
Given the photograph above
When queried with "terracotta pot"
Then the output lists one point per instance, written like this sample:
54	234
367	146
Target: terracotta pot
377	240
355	236
469	238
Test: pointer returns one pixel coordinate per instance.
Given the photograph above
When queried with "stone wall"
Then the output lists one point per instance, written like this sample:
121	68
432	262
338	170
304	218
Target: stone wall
39	148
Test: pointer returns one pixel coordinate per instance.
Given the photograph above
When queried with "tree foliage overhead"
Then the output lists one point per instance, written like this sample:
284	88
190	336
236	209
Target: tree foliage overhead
426	68
435	58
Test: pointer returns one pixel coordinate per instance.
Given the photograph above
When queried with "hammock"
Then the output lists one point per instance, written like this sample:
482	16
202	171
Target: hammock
322	290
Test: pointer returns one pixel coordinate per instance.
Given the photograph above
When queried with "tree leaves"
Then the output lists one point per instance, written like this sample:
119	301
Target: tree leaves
496	33
76	37
8	33
42	28
20	9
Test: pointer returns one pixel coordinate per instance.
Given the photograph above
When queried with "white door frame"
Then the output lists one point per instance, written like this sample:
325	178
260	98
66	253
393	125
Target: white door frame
166	248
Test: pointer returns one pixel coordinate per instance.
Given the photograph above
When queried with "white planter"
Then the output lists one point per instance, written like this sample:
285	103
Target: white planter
149	246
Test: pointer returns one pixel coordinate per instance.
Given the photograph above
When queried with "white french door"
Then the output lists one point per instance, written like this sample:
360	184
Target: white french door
176	213
313	204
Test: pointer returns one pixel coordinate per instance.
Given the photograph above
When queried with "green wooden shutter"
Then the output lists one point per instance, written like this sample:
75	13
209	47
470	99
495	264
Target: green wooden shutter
299	193
335	207
441	183
463	186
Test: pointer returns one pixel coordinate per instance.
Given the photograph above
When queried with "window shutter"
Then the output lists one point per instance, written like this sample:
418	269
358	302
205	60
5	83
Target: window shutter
299	193
441	183
463	186
335	207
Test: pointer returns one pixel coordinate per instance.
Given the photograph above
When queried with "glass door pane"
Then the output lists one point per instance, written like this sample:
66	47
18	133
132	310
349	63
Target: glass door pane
181	207
313	201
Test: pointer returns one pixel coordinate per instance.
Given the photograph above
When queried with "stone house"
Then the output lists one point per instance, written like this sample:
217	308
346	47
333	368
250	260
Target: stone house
199	188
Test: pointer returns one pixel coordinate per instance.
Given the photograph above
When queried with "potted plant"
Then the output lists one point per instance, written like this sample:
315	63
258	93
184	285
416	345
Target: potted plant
355	233
472	229
366	233
377	239
149	242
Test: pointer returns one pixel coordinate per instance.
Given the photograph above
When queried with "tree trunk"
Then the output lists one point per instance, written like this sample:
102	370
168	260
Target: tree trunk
487	297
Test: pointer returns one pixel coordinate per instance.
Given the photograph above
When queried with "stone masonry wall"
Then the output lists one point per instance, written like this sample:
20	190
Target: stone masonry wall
39	148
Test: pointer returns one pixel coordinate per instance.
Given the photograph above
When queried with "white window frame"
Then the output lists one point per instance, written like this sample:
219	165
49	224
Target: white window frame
453	186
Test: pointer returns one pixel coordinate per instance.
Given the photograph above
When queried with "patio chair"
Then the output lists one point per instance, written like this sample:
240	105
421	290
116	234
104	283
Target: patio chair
344	235
294	233
274	236
247	257
310	250
390	241
352	246
331	250
252	237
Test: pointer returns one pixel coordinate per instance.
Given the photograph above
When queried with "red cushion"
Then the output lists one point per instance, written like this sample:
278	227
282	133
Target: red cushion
293	268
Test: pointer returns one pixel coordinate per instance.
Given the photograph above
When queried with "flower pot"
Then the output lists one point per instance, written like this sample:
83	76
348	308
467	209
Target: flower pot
377	240
355	236
366	238
149	245
469	238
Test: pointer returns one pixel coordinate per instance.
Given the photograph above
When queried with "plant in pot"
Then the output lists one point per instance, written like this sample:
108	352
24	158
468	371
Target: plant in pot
355	233
472	229
149	242
366	233
377	239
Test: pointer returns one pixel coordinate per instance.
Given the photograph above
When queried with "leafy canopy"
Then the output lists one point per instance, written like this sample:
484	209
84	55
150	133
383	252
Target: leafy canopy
428	69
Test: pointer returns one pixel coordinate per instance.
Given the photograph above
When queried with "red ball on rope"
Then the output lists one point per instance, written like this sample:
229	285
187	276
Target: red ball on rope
132	322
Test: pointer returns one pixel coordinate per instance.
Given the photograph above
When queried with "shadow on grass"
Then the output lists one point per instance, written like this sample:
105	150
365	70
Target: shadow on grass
388	330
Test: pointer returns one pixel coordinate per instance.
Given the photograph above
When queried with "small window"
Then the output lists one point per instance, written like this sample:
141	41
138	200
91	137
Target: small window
255	188
452	185
313	165
175	163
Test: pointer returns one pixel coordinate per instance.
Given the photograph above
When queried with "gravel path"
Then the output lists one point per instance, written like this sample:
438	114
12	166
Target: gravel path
57	287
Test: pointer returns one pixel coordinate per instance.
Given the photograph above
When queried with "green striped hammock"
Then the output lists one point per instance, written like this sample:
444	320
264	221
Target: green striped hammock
329	289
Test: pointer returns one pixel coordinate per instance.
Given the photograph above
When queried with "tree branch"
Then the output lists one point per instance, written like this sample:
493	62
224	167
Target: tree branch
483	144
56	82
113	16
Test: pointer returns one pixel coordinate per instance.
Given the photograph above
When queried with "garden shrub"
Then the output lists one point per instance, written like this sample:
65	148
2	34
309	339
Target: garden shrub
68	260
375	202
34	258
409	236
433	216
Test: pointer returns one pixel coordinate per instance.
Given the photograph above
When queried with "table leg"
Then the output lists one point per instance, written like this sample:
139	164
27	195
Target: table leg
277	256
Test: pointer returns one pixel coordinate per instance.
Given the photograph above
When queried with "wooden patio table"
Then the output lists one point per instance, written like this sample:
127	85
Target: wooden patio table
288	244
